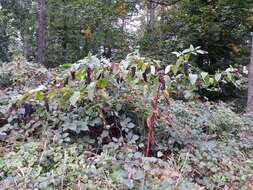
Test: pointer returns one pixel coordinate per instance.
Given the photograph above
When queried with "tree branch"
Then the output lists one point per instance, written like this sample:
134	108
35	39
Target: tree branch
164	3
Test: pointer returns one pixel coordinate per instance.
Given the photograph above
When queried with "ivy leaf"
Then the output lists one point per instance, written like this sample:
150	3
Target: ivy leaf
74	98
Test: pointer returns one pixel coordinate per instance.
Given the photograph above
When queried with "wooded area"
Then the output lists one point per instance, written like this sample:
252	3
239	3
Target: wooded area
126	94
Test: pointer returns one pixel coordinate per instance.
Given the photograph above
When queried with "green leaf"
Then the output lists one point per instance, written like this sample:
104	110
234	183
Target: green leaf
80	75
167	69
74	98
174	69
178	54
203	75
211	81
65	66
70	126
39	96
217	77
82	125
102	83
192	48
202	52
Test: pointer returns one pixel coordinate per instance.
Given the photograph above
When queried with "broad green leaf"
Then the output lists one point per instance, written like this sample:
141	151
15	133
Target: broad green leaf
74	98
80	75
178	54
217	77
202	52
167	69
211	81
186	51
174	69
179	62
191	48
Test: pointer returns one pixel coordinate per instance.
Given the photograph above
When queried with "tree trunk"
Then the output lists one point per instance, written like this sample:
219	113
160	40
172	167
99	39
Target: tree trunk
250	87
25	44
151	15
41	31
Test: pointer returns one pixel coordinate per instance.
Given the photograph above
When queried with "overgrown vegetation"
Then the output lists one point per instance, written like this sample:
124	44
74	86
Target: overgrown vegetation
88	128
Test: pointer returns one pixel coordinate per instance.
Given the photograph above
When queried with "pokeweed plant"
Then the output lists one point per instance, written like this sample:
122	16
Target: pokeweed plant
108	87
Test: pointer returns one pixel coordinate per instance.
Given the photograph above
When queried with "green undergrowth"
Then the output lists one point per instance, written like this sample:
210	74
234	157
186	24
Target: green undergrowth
38	165
104	125
206	145
216	143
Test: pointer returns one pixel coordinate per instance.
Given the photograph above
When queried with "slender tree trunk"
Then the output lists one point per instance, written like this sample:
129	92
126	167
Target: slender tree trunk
250	88
162	22
41	31
151	15
4	38
163	9
65	36
25	44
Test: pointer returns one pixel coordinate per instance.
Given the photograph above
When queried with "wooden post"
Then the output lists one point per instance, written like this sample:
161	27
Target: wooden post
250	85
